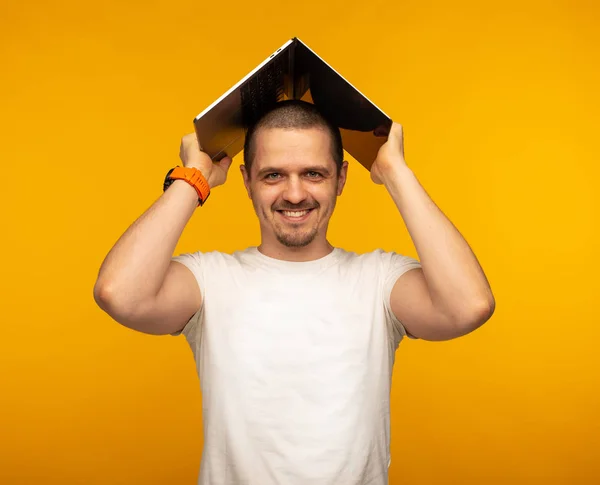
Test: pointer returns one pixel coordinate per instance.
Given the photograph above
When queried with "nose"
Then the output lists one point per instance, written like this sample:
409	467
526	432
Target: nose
294	192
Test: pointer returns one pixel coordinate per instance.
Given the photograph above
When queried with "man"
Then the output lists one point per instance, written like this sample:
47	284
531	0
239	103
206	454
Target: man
294	340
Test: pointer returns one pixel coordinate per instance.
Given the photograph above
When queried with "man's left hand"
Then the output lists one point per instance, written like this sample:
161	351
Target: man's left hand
390	156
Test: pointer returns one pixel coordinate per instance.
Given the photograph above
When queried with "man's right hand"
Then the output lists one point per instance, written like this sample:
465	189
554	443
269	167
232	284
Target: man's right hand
192	156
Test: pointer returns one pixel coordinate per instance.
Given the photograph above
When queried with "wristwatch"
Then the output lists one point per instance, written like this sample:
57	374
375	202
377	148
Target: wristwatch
192	176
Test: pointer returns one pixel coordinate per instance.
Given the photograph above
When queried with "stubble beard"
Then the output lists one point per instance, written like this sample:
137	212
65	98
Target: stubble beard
299	237
292	237
295	239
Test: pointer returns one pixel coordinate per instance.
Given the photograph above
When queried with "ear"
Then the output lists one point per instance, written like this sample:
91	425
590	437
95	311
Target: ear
342	178
246	177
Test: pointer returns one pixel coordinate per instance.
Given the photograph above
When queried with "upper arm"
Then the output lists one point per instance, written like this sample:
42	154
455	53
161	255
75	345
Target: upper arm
411	303
173	306
178	299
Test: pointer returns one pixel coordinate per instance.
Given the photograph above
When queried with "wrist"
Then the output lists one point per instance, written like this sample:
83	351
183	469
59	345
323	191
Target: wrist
184	193
186	188
193	177
396	174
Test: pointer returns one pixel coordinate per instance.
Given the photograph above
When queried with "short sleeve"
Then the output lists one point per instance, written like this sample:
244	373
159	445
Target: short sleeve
394	266
192	261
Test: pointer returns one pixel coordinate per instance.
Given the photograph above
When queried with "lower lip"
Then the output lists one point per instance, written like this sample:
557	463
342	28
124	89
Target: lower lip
295	219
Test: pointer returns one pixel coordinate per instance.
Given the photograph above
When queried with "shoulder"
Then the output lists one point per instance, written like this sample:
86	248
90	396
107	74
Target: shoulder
216	259
384	267
379	259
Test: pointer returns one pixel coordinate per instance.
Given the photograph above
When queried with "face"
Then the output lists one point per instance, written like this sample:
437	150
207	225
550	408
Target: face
294	185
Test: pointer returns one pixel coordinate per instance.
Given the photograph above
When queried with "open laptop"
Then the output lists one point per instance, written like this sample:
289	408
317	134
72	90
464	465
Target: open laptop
293	71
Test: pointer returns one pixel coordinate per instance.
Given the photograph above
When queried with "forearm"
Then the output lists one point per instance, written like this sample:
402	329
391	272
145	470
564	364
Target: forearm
456	281
135	267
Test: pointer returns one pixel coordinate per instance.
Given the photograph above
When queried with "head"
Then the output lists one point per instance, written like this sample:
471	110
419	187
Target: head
294	171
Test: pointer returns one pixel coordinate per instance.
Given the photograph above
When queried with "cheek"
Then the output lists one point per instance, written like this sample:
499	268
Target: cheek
327	195
264	198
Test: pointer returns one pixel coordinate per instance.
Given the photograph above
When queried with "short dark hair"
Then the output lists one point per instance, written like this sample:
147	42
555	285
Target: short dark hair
291	114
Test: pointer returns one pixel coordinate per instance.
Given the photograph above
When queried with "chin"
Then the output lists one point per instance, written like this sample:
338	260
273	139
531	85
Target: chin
296	240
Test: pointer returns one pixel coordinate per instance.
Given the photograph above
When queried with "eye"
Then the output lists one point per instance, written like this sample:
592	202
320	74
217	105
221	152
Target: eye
272	176
313	174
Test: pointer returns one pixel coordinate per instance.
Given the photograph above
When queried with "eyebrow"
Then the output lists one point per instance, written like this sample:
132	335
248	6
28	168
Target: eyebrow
315	168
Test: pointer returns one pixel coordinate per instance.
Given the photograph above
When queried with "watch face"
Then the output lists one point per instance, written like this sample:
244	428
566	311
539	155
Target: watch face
168	181
201	202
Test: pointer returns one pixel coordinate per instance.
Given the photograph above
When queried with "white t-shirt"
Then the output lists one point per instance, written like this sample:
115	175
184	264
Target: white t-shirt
295	362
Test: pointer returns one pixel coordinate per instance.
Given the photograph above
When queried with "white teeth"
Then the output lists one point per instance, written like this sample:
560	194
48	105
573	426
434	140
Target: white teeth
295	213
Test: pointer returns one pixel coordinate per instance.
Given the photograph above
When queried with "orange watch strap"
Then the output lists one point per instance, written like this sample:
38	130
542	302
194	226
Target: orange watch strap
194	177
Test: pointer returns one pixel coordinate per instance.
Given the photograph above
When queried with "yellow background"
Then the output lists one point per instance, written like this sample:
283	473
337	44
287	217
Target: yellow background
500	105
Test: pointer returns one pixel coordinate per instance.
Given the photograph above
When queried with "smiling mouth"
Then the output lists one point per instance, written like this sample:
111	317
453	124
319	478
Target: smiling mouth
295	215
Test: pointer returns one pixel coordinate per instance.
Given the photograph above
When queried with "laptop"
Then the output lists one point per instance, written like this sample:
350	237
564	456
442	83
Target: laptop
294	71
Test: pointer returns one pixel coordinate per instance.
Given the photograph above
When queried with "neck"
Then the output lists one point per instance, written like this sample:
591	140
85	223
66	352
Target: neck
315	250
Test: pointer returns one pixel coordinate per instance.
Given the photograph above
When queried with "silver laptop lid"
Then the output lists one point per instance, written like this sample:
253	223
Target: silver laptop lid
294	71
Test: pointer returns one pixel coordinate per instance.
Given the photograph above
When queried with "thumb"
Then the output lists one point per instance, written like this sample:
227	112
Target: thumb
396	133
396	137
225	163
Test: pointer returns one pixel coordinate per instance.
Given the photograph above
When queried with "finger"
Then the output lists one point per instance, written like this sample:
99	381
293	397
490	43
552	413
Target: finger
396	138
188	139
375	178
397	132
225	163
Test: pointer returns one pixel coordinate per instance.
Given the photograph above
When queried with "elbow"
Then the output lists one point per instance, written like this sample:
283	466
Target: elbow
477	315
484	311
132	313
104	295
113	301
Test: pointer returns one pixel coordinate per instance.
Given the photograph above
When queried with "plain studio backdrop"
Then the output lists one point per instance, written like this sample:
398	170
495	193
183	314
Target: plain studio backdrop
500	107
